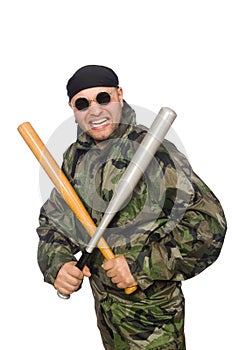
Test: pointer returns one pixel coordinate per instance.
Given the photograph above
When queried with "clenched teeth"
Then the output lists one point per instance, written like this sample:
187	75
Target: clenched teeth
99	122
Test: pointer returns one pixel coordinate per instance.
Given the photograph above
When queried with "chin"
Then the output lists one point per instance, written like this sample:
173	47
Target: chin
100	139
100	136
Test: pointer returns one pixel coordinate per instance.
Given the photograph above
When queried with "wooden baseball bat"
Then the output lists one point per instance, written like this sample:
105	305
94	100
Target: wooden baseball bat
63	185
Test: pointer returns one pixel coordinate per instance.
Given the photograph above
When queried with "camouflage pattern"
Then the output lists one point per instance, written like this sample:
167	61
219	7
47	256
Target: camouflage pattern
171	229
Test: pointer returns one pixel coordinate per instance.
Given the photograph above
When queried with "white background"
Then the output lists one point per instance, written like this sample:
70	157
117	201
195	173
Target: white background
166	53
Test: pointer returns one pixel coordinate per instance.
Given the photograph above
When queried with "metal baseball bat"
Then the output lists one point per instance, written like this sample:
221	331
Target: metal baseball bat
63	185
136	168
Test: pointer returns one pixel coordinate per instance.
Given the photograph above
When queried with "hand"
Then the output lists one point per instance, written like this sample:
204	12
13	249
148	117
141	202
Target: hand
69	278
118	270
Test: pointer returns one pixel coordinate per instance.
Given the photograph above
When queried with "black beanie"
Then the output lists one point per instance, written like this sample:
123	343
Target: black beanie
91	76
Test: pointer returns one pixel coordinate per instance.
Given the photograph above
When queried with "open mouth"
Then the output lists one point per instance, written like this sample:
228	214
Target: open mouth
99	123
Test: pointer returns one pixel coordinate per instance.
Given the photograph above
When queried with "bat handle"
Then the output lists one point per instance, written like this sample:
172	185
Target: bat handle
80	265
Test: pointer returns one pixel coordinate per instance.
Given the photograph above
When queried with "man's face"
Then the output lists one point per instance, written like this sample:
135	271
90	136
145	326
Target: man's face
99	120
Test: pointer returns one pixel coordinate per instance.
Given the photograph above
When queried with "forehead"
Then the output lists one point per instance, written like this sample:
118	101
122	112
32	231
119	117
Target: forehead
92	92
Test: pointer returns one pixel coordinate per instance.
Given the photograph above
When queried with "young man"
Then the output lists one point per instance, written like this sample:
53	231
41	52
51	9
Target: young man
171	229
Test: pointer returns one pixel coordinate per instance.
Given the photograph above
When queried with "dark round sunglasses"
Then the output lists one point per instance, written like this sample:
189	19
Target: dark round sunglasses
102	98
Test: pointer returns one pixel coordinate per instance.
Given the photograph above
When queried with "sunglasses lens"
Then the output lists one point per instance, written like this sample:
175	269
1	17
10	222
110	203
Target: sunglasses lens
103	98
81	104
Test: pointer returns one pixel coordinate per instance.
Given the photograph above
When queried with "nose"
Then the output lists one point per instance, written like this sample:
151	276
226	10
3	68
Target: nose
95	108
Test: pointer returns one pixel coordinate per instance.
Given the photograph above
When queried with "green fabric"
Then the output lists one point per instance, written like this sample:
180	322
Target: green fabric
171	229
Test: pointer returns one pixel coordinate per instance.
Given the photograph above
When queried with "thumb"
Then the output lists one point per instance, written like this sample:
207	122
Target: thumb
86	271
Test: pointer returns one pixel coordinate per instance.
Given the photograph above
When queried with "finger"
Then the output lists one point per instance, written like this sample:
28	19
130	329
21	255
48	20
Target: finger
77	273
107	265
121	285
68	289
117	261
73	271
111	273
66	279
65	287
70	272
116	280
73	281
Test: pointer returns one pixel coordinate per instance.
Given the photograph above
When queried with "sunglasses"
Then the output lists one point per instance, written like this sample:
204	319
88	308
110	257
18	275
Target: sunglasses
102	98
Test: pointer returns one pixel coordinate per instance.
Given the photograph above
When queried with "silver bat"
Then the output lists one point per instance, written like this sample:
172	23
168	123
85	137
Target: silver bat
136	168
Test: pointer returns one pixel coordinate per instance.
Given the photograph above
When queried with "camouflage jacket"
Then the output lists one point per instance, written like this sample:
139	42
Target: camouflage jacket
171	229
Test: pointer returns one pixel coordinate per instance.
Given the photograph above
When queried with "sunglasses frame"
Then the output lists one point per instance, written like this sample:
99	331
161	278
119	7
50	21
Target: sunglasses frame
96	99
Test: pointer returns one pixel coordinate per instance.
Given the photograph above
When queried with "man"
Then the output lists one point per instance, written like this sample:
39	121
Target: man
171	229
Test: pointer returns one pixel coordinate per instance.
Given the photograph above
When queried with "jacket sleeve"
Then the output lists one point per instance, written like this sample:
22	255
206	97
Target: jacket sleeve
189	233
56	229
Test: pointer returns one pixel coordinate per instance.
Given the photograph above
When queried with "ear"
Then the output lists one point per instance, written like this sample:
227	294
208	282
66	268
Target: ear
120	95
